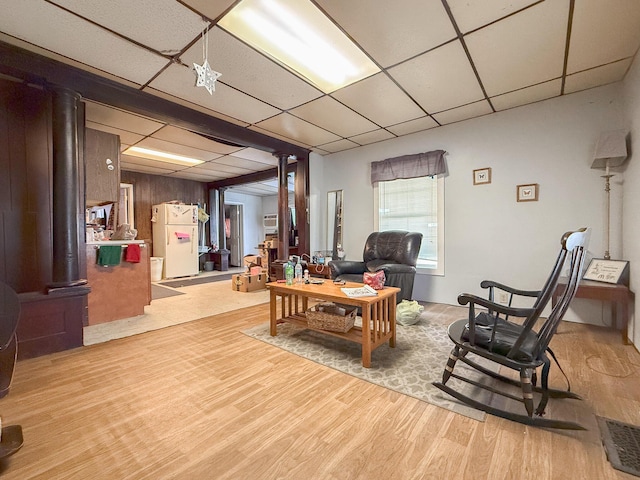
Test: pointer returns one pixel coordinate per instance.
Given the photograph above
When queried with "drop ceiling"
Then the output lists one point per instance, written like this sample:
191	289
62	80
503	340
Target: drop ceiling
441	61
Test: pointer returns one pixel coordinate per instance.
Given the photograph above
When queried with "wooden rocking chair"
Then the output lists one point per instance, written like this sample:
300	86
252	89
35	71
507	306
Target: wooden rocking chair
521	346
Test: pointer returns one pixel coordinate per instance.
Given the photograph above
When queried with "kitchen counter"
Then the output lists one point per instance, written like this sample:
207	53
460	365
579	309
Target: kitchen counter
119	291
116	242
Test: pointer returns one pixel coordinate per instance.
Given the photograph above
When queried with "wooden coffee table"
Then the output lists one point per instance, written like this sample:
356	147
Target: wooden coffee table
378	312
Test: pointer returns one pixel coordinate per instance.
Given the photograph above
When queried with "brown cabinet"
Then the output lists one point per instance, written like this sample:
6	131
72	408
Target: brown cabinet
102	166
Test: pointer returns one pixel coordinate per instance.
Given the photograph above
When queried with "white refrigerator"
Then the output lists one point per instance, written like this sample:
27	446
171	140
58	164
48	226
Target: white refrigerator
175	238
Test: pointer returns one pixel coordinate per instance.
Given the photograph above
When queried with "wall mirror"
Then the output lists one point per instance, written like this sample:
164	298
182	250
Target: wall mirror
334	223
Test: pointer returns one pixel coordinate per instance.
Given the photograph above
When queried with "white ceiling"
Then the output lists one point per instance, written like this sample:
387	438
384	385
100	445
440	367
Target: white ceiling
442	61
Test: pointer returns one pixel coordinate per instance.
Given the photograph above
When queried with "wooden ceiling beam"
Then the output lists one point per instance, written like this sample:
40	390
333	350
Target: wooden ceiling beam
37	69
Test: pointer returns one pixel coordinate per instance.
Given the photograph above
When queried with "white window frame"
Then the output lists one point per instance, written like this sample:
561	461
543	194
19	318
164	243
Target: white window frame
439	270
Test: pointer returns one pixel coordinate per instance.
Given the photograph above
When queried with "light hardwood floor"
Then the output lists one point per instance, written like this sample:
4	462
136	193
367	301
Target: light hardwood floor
201	400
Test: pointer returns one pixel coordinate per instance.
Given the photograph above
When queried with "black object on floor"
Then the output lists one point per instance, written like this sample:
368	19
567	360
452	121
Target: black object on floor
622	444
187	282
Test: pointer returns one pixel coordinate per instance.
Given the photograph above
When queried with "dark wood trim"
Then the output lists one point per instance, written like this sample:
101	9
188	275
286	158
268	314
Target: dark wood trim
34	68
302	205
284	223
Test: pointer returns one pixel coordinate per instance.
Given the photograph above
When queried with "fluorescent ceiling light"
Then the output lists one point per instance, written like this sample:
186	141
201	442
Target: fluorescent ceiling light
162	156
298	35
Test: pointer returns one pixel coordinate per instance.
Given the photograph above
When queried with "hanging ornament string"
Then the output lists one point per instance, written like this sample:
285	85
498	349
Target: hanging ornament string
206	77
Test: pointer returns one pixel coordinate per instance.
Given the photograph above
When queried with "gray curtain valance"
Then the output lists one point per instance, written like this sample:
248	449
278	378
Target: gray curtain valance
409	166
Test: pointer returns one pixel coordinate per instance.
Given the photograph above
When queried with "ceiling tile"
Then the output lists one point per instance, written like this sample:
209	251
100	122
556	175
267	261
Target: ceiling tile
242	163
63	59
279	136
527	95
328	113
210	9
412	126
440	79
112	117
194	106
257	156
294	127
163	25
245	69
180	81
372	137
164	146
227	170
190	139
51	27
380	100
198	177
603	32
147	166
472	15
613	72
127	138
391	32
463	113
339	146
512	53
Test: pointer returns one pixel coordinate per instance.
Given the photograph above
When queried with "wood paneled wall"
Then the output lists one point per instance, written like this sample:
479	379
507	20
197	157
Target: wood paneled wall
149	190
25	187
48	322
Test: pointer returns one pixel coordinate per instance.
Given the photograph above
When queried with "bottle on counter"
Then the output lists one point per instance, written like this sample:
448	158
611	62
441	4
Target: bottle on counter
298	272
306	276
288	273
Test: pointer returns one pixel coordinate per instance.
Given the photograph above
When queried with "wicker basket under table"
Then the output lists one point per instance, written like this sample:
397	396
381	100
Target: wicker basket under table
331	317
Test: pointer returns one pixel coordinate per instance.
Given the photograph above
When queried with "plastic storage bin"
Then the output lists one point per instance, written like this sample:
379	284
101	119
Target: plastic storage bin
156	268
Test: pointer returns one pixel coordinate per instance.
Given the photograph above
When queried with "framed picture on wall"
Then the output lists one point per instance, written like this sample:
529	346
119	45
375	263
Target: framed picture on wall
527	193
481	176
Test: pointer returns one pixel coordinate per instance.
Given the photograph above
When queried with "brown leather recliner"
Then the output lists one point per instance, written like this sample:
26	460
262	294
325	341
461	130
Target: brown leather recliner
393	251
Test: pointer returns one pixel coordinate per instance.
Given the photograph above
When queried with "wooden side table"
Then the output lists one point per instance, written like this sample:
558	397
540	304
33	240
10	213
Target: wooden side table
618	295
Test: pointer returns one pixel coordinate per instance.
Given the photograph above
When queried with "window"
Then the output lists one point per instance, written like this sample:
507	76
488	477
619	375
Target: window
416	205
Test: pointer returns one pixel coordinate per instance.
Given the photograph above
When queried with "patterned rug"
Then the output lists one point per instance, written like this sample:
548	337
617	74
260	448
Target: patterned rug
417	360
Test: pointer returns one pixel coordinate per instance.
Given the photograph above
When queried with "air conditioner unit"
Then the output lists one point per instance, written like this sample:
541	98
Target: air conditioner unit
270	223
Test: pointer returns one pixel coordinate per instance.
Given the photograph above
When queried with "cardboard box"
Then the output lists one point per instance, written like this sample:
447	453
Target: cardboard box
252	260
248	283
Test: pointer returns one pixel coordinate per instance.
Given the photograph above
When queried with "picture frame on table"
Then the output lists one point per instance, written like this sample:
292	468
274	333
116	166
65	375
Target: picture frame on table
527	192
608	271
482	176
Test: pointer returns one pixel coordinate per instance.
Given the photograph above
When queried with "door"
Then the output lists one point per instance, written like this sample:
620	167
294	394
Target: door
233	214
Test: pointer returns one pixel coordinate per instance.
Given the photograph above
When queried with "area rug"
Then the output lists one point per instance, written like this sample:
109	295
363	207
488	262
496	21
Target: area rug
158	292
418	359
187	282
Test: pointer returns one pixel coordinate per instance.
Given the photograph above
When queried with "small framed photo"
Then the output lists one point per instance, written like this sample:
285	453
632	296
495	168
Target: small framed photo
528	193
481	176
609	271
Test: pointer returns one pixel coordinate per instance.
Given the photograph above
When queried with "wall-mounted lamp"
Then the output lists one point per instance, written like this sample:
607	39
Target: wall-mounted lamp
611	151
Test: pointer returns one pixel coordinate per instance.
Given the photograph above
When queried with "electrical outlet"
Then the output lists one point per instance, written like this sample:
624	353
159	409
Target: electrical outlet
503	298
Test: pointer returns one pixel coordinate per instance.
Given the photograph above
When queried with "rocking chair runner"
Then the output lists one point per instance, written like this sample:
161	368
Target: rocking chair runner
519	346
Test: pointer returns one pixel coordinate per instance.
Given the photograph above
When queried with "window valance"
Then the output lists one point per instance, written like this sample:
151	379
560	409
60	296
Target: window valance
409	166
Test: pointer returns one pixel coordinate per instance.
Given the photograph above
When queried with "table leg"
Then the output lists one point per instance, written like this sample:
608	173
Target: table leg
366	336
272	314
392	320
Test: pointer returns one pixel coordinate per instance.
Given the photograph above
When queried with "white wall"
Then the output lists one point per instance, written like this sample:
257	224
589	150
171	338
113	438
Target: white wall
488	234
631	196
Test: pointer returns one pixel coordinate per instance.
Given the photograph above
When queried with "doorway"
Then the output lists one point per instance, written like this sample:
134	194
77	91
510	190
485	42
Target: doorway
234	233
